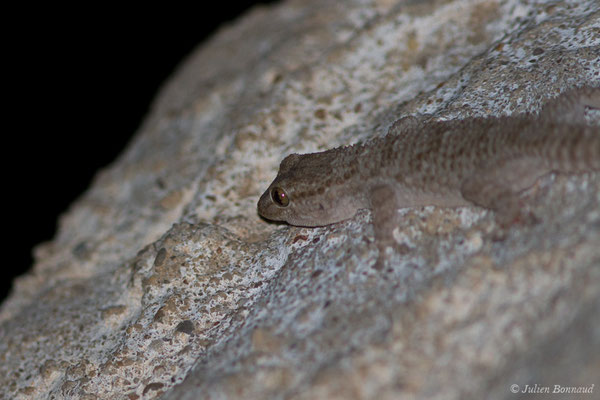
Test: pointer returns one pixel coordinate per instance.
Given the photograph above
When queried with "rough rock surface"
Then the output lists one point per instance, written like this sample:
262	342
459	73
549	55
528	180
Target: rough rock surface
163	280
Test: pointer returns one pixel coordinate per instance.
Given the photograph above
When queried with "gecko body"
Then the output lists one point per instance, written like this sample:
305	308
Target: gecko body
476	161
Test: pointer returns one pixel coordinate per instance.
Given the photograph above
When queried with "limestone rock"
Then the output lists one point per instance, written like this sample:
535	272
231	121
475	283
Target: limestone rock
163	281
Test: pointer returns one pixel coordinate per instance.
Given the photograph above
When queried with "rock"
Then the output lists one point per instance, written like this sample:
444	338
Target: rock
163	280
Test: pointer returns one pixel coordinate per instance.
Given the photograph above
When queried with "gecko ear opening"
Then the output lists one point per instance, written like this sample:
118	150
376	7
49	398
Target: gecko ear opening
280	197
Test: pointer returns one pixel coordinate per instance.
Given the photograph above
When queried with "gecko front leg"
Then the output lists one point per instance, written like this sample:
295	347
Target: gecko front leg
384	206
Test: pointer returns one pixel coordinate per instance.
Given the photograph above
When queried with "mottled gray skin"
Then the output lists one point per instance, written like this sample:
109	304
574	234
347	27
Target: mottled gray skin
476	161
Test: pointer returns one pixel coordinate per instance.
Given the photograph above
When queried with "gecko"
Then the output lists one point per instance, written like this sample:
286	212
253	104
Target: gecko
478	161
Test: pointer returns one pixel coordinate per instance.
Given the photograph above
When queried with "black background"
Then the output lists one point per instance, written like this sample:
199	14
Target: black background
64	69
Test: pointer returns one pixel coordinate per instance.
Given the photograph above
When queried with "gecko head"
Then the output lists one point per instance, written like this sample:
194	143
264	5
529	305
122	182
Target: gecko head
304	193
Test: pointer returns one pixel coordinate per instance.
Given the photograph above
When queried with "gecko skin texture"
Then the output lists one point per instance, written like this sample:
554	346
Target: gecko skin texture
484	162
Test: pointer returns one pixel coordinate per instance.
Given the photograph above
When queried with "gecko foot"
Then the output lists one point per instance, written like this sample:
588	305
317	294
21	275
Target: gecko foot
379	264
506	220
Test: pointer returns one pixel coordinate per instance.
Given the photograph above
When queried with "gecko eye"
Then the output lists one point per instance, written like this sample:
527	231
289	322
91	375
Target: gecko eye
280	197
